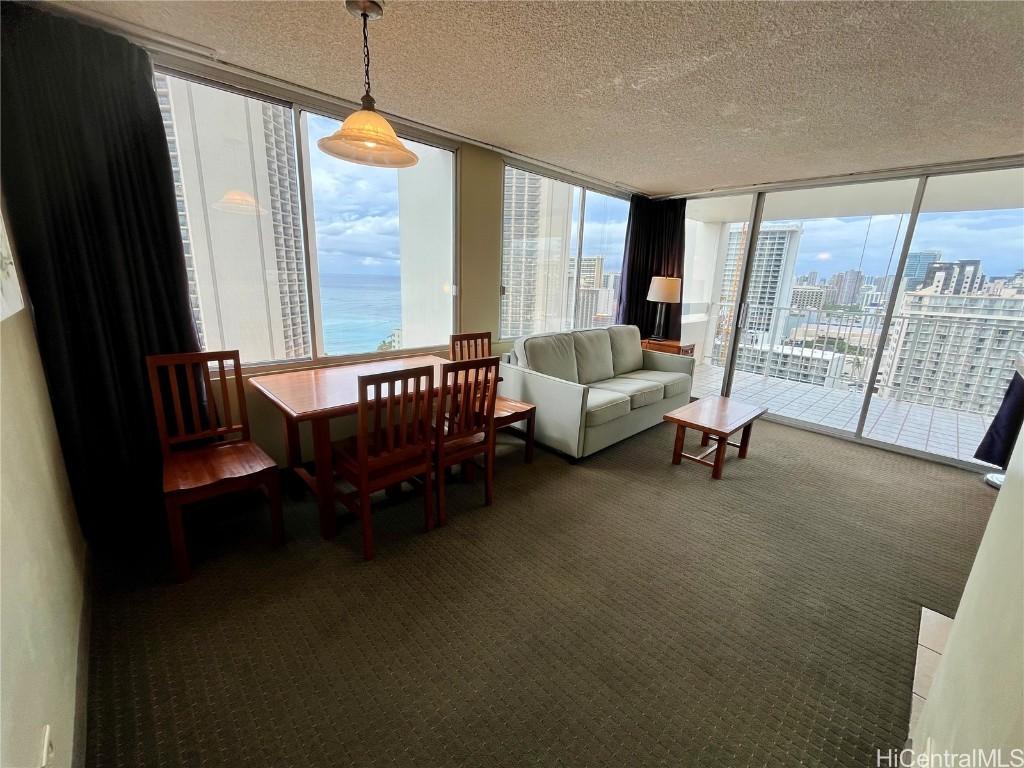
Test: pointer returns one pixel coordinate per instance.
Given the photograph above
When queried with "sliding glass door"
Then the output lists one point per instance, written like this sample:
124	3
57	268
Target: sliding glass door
717	231
891	311
958	322
822	271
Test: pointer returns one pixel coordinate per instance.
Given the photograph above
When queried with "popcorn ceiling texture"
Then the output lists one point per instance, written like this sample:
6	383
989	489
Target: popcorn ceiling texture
657	97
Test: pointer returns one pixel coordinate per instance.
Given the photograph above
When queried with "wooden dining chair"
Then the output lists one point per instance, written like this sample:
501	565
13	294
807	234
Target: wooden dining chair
206	444
392	442
465	422
507	412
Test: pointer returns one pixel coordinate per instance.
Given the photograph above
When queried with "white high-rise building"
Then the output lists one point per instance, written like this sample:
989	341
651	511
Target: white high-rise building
537	229
953	350
236	183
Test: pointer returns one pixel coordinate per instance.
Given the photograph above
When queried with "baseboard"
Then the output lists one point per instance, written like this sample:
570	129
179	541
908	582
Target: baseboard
82	671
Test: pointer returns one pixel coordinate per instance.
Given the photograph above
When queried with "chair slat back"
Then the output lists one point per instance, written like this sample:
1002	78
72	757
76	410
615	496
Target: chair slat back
185	400
466	398
469	346
394	415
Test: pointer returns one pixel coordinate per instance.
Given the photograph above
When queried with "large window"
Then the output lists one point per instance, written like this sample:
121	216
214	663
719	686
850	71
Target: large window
236	182
384	244
383	252
562	248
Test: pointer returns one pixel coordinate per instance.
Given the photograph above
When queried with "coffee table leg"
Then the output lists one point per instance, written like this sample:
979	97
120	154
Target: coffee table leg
705	438
723	443
677	450
745	440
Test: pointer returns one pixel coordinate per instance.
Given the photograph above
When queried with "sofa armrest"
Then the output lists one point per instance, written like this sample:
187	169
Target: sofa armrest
666	361
561	405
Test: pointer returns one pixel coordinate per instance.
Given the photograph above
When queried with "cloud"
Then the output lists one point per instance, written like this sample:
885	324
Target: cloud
823	256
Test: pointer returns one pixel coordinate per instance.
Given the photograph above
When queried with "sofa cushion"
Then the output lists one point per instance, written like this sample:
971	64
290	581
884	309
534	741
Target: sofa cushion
627	354
604	405
593	355
640	392
674	383
552	354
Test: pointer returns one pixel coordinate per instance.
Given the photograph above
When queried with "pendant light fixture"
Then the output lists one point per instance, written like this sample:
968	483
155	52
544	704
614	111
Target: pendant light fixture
365	137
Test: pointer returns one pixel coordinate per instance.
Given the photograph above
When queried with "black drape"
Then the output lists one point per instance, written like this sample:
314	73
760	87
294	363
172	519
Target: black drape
654	248
90	203
997	445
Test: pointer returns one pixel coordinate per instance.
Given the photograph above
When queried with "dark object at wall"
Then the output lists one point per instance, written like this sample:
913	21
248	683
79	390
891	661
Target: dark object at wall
997	445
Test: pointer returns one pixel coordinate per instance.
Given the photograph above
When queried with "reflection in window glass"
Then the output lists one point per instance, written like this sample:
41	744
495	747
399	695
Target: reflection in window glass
546	285
384	248
236	183
600	271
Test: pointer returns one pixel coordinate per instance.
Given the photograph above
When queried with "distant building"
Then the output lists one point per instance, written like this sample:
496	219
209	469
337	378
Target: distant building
536	234
917	267
954	277
822	368
953	350
807	297
847	287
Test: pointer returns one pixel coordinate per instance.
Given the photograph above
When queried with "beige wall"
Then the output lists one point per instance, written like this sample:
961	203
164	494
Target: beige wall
977	698
480	180
481	176
42	560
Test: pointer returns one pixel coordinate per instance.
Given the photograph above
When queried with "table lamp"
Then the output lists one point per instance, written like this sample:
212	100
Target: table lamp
665	291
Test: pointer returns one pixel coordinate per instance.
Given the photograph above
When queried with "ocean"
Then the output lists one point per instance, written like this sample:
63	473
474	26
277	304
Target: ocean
359	312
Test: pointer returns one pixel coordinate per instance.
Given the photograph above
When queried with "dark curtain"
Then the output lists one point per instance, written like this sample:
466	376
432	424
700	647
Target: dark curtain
997	445
90	205
654	248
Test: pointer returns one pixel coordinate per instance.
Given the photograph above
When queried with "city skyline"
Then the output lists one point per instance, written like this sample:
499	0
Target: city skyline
834	245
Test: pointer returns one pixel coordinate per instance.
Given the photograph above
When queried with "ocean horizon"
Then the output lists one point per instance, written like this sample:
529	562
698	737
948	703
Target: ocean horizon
359	312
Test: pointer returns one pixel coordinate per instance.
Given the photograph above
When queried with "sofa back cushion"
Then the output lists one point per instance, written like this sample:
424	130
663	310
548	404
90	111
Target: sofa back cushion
593	355
626	352
552	354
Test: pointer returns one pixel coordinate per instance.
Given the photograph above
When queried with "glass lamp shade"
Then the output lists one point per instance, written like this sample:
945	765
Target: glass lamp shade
368	139
665	289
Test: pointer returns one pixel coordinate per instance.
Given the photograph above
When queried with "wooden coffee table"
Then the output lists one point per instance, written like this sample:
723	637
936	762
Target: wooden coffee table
716	417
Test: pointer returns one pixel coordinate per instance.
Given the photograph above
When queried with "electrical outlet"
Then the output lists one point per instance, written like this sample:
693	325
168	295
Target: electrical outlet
47	748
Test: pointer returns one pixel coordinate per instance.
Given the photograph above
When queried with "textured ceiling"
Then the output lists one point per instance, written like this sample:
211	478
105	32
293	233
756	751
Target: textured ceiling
659	97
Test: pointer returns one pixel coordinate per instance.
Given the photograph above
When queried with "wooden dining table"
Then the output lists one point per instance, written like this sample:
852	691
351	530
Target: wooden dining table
318	395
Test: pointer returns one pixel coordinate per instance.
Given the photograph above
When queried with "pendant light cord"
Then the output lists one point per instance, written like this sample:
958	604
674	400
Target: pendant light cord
366	55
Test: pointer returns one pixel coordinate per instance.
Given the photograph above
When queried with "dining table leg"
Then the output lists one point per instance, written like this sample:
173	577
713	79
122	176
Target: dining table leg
324	469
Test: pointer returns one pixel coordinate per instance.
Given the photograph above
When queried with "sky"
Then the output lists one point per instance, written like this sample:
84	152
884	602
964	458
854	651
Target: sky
355	208
835	245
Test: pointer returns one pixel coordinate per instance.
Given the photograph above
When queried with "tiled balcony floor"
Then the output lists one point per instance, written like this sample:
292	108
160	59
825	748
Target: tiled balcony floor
911	425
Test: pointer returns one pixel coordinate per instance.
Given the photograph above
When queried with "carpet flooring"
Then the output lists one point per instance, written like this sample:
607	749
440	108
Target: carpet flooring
617	612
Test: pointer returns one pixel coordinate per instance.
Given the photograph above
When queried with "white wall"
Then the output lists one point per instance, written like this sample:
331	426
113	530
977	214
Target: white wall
977	698
42	561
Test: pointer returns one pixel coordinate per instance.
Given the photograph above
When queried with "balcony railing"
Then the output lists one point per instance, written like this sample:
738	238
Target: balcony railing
958	363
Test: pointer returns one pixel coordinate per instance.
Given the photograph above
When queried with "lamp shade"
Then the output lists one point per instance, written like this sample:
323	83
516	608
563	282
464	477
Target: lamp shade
237	201
368	139
665	289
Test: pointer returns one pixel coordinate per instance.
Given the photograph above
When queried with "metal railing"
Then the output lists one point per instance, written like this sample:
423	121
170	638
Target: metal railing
945	361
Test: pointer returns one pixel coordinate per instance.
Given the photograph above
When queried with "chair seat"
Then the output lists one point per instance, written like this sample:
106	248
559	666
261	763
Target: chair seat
510	411
346	456
199	467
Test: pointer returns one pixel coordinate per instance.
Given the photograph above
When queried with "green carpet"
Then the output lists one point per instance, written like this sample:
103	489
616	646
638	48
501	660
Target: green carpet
618	612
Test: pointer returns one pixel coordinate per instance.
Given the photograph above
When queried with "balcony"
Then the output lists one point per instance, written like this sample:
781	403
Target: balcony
814	367
953	434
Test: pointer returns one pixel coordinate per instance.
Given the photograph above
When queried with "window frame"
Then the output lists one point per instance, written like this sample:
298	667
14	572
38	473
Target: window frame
584	187
318	357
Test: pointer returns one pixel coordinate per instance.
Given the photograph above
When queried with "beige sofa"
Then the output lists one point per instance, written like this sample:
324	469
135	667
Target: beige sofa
594	388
